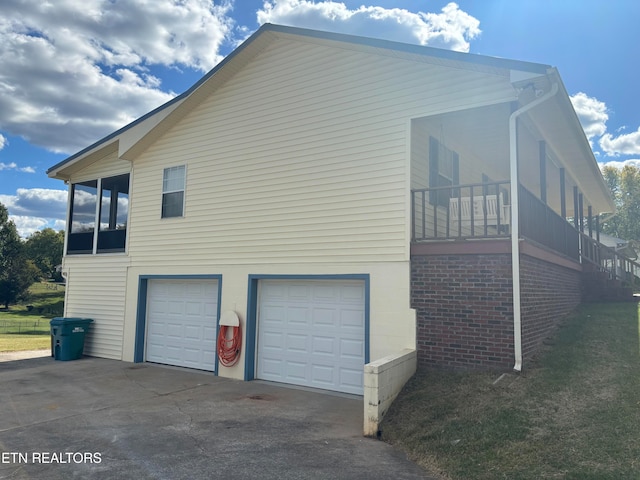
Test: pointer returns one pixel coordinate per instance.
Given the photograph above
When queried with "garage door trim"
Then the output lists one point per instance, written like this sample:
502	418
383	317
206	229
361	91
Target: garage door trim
252	312
141	314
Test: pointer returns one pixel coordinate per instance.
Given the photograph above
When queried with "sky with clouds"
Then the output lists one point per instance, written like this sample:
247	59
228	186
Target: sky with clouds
73	71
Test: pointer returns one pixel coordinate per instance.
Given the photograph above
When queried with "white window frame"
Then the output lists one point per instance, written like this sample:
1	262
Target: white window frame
168	191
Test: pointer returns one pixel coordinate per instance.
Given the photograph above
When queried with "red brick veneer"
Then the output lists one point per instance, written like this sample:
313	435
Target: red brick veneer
464	304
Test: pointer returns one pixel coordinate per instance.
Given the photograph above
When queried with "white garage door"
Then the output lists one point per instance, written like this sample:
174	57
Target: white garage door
181	322
311	333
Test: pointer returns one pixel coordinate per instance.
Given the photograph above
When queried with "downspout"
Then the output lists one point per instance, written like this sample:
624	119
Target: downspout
515	227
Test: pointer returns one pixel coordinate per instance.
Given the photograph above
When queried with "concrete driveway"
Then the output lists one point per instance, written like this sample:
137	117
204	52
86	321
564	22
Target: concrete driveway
97	418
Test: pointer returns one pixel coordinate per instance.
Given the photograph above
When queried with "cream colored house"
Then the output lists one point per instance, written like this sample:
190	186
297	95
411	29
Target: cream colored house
290	185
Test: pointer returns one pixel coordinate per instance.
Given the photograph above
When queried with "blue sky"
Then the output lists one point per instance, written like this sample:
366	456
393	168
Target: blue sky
73	71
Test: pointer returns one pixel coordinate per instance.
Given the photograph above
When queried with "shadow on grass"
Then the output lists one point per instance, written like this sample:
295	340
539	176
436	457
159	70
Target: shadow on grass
36	310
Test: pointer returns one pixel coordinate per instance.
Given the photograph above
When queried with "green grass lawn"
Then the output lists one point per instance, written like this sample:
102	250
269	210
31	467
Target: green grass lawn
26	326
574	413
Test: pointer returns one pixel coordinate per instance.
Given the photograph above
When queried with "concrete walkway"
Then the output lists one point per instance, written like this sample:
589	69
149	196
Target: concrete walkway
105	419
25	354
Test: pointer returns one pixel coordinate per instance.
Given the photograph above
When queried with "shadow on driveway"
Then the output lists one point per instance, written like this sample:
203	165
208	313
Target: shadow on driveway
97	418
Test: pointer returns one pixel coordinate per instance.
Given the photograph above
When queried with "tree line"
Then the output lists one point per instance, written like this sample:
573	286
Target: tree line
624	185
23	262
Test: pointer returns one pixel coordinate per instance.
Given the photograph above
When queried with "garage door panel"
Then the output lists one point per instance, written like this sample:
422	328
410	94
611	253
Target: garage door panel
194	308
297	315
351	349
297	343
192	332
210	332
352	319
326	293
273	340
296	371
274	312
181	322
322	374
173	353
324	317
312	330
173	330
323	345
351	378
352	294
298	293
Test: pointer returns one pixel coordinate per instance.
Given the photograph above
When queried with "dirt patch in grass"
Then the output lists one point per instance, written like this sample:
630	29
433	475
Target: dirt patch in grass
573	413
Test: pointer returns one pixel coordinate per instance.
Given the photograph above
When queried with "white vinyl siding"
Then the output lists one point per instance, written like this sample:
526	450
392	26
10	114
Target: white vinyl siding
108	166
301	156
96	288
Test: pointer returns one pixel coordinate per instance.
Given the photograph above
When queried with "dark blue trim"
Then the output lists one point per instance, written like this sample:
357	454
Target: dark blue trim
141	315
141	321
252	312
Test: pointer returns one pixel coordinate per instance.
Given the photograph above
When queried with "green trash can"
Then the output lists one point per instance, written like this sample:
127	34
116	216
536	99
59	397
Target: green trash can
67	337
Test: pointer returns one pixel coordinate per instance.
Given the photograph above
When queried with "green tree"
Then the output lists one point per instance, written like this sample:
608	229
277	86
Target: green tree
44	248
625	188
17	273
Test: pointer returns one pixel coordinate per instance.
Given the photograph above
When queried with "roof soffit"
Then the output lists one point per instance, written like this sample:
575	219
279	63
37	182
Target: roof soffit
556	122
65	171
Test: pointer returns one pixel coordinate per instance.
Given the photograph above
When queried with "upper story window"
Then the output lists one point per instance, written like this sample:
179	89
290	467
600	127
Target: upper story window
114	210
87	235
173	186
444	171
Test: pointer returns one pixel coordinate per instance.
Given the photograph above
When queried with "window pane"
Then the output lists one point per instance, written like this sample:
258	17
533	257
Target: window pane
173	179
445	164
172	204
85	196
115	203
123	211
105	208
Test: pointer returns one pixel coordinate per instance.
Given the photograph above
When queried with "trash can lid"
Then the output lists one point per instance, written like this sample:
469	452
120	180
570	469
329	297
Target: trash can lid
69	320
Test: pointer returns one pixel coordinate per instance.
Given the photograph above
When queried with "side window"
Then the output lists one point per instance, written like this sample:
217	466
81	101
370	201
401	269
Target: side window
114	209
444	171
108	218
84	197
173	186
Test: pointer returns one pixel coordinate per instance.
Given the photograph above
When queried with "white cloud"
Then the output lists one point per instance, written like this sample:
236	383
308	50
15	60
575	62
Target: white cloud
14	166
75	70
626	144
38	203
36	208
451	29
592	114
26	226
3	141
620	165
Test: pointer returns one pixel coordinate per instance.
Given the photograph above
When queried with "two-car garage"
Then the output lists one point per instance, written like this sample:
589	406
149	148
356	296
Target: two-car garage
308	332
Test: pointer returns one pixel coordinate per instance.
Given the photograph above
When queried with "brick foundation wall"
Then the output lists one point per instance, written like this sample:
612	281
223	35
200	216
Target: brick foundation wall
464	309
548	293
